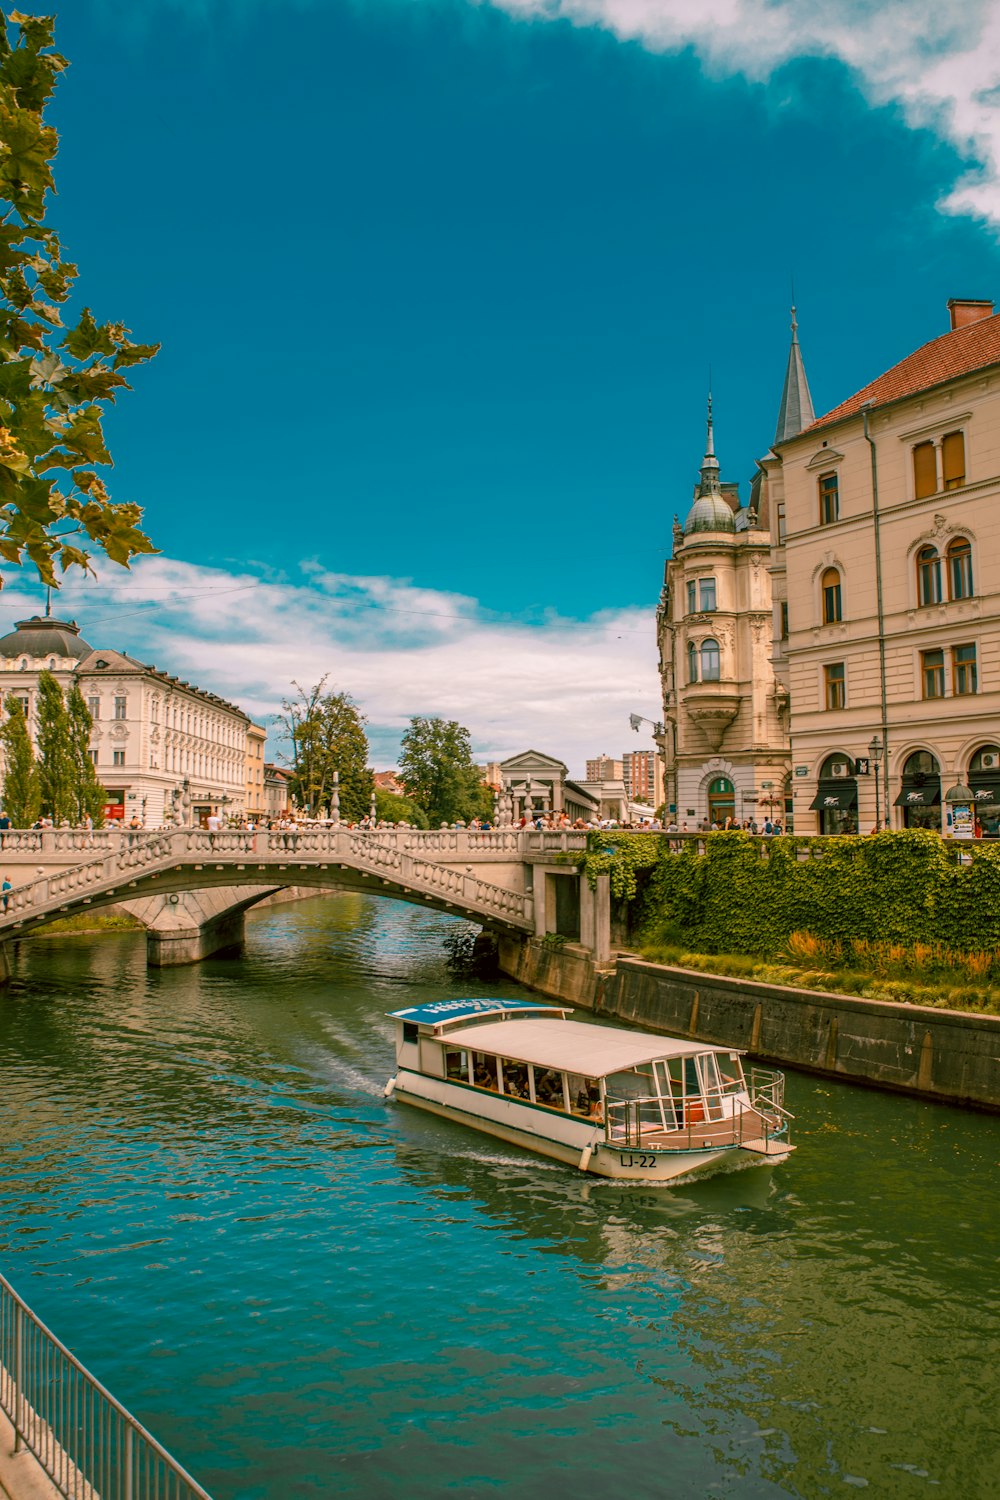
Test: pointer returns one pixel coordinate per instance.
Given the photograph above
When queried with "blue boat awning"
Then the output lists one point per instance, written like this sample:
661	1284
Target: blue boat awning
433	1012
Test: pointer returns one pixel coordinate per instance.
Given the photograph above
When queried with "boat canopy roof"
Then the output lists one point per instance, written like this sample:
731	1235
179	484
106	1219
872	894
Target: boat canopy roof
575	1047
438	1013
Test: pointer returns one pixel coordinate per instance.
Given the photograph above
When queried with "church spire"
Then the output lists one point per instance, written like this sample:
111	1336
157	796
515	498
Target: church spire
796	410
710	464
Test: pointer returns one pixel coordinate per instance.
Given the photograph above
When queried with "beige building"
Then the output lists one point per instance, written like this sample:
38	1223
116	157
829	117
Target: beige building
885	523
605	768
725	714
164	750
256	740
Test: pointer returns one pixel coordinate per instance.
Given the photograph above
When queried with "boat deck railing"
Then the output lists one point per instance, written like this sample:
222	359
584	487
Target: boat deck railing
88	1445
697	1120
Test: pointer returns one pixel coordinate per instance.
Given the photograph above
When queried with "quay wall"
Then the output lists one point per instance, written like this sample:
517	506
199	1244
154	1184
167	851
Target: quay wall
950	1056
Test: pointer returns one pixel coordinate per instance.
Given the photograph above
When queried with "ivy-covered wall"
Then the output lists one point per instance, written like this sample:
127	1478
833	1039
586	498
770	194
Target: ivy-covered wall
747	895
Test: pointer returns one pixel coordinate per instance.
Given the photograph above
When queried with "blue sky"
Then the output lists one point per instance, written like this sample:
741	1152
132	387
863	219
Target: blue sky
439	286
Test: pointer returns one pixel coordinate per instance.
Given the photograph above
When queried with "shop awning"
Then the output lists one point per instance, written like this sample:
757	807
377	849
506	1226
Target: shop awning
835	796
911	795
986	790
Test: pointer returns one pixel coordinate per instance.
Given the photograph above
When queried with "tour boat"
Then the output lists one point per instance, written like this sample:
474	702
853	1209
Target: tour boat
623	1104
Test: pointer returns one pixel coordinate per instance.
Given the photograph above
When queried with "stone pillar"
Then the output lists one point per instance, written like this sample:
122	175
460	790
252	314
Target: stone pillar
602	920
539	884
6	968
167	949
587	927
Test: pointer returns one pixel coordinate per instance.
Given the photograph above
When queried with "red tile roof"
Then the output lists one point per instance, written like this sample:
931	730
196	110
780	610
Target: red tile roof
956	353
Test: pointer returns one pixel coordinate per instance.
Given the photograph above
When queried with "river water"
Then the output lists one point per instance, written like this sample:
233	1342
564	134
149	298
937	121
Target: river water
306	1291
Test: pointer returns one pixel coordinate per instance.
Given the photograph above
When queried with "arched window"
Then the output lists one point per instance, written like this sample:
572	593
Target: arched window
832	611
836	765
921	763
692	662
959	557
52	663
711	667
986	758
928	576
721	800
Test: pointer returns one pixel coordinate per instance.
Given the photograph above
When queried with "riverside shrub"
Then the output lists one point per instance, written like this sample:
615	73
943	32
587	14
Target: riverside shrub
748	895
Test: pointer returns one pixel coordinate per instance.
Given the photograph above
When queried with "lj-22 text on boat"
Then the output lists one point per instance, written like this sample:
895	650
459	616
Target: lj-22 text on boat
617	1103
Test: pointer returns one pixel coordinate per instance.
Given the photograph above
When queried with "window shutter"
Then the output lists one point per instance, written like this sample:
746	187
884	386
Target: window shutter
924	470
953	460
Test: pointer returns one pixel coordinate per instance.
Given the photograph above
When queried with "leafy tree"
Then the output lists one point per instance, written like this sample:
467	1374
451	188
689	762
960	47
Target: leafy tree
55	754
88	794
327	734
53	380
21	796
437	770
391	808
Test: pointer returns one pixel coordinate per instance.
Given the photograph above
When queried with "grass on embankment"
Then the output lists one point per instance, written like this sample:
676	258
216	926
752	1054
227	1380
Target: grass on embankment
85	921
915	974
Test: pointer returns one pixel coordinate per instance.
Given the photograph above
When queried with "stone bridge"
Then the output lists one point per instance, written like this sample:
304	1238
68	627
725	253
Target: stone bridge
190	888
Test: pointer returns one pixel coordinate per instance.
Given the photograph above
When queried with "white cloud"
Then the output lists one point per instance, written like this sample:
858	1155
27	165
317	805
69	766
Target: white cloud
939	61
564	687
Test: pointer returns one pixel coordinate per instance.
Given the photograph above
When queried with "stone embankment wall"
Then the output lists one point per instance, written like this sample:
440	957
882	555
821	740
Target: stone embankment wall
952	1056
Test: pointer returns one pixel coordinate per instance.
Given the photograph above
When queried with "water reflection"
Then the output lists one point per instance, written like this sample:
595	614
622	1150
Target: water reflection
206	1194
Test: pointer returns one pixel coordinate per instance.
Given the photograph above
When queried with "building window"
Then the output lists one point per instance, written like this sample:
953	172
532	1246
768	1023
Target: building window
932	673
118	757
121	708
831	597
953	460
829	499
692	592
692	662
924	470
959	568
706	591
928	576
94	707
835	685
965	678
711	667
781	522
93	756
784	619
25	706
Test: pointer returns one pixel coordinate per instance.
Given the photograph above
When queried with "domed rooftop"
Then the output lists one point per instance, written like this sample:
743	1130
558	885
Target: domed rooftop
42	636
709	513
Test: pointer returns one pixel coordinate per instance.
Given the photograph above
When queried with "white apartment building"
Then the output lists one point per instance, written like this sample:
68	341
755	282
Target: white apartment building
164	750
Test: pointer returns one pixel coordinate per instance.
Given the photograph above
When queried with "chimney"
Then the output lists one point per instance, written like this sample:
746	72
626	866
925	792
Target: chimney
966	310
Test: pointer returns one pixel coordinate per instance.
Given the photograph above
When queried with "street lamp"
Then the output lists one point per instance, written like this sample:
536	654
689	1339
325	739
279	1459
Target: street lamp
875	750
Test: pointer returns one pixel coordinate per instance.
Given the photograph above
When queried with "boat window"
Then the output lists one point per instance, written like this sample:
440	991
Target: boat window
713	1085
731	1073
410	1031
457	1065
550	1088
515	1079
484	1070
585	1096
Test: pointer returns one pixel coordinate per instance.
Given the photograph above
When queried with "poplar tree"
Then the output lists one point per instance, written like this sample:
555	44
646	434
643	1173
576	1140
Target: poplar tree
89	796
53	379
55	754
21	796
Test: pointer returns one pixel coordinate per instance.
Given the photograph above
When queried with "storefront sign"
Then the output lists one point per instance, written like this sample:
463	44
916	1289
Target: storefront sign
862	766
961	821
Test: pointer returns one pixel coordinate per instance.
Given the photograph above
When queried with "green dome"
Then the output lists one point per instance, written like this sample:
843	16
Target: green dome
709	513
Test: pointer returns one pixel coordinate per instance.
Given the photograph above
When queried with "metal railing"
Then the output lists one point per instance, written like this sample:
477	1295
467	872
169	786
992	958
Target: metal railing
90	1447
631	1122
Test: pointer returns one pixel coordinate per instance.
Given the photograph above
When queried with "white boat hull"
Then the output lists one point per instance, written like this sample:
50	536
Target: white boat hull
577	1142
